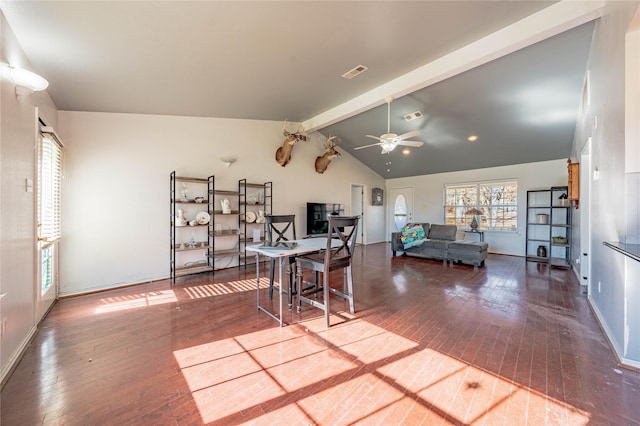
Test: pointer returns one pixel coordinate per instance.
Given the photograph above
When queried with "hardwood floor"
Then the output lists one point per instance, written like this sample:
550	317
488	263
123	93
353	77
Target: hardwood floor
512	343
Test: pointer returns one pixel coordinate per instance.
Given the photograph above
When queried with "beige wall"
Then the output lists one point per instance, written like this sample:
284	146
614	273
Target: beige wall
116	187
17	220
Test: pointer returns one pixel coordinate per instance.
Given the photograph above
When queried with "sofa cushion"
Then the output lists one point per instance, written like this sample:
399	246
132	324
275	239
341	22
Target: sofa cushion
436	244
412	235
443	232
470	246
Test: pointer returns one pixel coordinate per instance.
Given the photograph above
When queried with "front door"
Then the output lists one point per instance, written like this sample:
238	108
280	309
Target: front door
400	208
49	228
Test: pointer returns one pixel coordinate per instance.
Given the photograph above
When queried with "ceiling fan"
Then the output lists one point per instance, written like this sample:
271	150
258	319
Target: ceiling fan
389	140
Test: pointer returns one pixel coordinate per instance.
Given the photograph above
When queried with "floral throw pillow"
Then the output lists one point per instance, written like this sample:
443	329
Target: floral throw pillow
412	235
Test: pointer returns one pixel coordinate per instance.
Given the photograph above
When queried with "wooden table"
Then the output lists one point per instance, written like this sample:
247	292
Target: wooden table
305	246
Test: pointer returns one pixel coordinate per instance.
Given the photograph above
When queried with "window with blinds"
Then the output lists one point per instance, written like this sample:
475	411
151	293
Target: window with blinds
49	188
494	205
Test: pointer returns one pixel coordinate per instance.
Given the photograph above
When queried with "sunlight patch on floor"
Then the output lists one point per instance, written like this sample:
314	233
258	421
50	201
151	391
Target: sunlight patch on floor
219	289
134	301
353	372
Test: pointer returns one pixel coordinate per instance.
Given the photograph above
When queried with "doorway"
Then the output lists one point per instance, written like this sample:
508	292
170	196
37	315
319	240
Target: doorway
357	209
400	210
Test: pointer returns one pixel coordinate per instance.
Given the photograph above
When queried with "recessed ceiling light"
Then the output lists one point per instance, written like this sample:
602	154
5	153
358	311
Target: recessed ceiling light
406	151
472	138
354	72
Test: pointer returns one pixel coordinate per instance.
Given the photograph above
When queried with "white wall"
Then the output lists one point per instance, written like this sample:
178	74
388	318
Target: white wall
613	291
116	187
429	195
17	215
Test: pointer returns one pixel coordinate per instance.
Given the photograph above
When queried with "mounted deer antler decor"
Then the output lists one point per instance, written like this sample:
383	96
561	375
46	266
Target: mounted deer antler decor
323	162
283	154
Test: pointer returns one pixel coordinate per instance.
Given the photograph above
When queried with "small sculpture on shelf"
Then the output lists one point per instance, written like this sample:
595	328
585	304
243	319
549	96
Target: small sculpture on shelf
226	206
261	218
184	193
192	242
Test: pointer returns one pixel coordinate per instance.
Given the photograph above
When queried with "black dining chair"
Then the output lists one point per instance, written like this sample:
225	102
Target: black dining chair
281	228
344	230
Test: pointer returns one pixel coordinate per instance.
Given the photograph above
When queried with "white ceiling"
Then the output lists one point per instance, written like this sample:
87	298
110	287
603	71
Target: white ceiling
271	60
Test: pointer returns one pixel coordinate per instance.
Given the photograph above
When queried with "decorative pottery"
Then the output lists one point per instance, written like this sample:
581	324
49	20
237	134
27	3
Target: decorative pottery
542	251
202	218
180	219
542	219
260	218
226	206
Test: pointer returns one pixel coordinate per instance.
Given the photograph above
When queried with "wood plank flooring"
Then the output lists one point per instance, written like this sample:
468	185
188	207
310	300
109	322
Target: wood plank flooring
509	344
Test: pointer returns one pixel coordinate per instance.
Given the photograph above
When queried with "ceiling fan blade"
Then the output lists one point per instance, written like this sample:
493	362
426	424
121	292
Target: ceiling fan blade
411	143
408	135
367	146
374	137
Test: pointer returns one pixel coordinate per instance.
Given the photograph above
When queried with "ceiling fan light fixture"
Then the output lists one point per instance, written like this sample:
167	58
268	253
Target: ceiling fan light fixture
387	146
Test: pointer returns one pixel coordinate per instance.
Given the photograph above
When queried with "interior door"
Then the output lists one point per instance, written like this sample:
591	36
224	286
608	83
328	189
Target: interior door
357	209
400	208
49	229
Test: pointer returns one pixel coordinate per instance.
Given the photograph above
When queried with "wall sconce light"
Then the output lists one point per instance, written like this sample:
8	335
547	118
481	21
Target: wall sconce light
228	161
26	81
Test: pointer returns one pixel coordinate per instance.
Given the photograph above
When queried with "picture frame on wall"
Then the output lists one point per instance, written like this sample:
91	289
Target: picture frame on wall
377	197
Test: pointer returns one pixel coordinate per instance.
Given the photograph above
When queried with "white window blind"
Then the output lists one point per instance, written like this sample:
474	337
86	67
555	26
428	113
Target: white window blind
50	188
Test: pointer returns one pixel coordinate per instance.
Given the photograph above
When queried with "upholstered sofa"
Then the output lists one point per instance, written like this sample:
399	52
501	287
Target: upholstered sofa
440	243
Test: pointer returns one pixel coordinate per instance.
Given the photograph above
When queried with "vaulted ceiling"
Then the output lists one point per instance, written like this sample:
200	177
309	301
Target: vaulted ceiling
269	60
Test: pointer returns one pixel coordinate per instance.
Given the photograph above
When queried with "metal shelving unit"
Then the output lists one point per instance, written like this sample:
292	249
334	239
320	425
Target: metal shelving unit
548	227
252	198
220	231
184	253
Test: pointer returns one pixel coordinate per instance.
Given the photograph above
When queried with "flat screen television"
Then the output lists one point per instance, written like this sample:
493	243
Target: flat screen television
318	216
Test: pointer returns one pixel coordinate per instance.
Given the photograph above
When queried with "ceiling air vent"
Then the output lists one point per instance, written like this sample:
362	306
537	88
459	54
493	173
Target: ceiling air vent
413	116
356	71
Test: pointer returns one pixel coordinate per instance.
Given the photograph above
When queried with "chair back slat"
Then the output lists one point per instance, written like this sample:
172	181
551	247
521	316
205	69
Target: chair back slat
280	227
344	228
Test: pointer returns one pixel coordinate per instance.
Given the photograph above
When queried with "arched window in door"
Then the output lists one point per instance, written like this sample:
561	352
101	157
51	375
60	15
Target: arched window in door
400	217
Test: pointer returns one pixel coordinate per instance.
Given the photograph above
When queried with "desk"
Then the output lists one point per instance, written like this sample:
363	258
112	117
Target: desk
471	231
305	246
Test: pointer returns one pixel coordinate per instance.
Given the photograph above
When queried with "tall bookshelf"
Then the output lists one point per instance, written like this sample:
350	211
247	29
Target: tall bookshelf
548	227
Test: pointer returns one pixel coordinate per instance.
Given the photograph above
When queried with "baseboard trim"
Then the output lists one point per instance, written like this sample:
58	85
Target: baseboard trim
617	351
17	356
102	290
